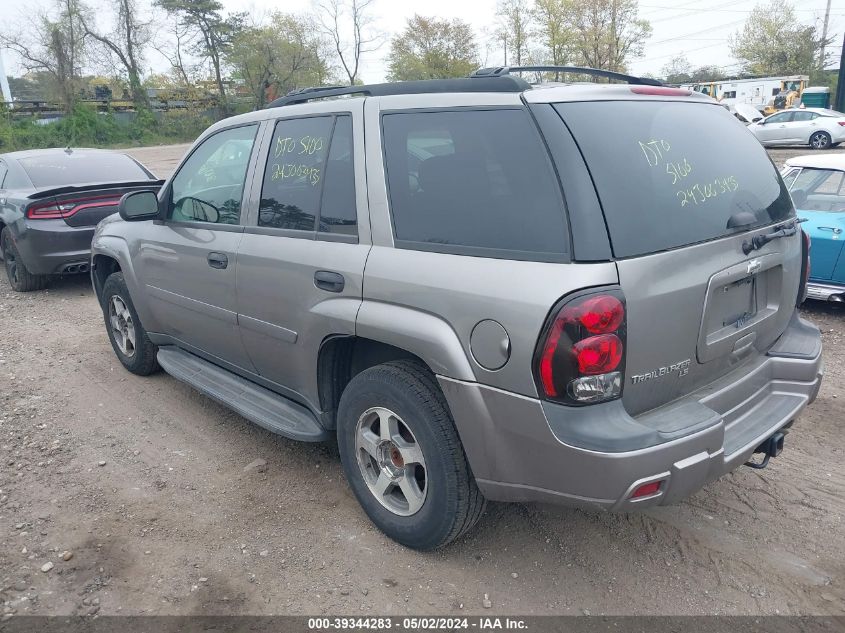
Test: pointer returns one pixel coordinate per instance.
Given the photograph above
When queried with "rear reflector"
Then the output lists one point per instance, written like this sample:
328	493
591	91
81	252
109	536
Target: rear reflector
646	490
663	91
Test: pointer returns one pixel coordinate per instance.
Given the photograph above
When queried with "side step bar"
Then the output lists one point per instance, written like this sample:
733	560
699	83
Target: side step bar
825	292
257	404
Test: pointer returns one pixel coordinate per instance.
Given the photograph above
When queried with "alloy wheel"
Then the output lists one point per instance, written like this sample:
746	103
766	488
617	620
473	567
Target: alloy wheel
391	461
122	326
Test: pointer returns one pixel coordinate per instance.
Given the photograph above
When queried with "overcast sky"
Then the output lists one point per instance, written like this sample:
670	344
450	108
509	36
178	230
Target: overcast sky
698	28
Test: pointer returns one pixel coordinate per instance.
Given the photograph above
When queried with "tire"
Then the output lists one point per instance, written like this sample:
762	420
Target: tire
820	140
128	337
431	460
20	279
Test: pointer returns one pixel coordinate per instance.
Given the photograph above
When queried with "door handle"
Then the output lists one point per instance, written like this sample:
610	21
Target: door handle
836	230
218	260
329	281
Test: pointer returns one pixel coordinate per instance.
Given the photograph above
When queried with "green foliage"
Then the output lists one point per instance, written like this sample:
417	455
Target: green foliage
430	48
774	42
84	127
285	55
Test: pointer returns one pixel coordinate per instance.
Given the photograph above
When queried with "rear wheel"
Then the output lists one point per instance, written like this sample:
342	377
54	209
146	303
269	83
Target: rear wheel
403	458
20	279
820	140
128	337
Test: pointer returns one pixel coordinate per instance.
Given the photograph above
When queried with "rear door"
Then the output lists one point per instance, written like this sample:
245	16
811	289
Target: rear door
188	262
819	196
301	261
697	305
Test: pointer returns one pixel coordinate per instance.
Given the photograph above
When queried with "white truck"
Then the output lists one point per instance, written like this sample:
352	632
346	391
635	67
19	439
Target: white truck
761	92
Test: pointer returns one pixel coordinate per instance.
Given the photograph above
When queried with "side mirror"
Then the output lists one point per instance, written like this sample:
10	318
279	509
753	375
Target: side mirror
138	205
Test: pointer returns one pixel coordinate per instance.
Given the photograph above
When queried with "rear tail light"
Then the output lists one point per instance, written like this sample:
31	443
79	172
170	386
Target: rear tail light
805	267
842	123
66	208
581	355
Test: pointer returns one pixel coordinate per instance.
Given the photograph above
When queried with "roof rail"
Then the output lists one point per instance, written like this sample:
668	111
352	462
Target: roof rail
502	71
493	83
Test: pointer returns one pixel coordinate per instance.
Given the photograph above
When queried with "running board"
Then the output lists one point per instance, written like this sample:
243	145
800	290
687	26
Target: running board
825	292
275	413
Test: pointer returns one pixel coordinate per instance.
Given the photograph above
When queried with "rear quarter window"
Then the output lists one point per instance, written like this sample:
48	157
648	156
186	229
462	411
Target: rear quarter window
473	182
671	173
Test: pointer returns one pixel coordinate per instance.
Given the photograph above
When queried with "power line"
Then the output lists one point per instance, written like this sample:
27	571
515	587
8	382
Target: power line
707	30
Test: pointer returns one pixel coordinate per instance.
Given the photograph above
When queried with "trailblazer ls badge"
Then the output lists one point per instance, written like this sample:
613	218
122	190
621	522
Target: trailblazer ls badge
682	369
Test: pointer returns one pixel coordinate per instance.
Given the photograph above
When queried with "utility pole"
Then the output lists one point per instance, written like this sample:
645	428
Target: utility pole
824	36
4	82
840	83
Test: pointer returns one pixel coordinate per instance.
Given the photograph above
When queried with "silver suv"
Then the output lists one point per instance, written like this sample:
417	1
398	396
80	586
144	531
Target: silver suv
576	293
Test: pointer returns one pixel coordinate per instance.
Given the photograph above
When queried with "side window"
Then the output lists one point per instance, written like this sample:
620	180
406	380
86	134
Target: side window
790	176
474	182
210	184
338	212
783	117
803	116
294	174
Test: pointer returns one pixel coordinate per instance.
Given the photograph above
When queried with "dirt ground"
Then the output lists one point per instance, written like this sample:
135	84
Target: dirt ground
146	486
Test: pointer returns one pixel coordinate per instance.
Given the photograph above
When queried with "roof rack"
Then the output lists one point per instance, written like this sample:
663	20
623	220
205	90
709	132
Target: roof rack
504	71
492	83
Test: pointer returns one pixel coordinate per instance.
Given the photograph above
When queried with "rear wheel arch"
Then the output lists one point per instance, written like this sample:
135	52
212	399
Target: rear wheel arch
341	358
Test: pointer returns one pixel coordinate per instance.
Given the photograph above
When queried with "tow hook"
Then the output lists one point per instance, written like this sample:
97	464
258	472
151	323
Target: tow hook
772	447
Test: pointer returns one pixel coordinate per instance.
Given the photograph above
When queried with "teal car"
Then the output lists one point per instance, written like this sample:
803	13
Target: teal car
817	185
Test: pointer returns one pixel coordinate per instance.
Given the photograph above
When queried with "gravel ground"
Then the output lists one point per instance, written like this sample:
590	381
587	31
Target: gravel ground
128	495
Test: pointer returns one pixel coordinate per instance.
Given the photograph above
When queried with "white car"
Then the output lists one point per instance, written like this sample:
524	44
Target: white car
819	128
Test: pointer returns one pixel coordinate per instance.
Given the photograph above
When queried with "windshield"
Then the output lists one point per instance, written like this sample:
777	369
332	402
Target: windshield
828	112
57	170
672	173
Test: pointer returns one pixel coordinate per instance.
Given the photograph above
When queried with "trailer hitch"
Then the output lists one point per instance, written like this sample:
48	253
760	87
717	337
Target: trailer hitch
772	447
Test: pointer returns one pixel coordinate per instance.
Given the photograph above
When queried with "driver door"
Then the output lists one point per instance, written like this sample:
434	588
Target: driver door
188	262
775	129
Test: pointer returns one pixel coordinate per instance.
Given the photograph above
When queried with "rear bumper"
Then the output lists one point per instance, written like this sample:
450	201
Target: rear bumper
521	449
51	246
825	291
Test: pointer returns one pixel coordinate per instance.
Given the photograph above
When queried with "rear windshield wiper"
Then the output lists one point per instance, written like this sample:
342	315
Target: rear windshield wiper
782	230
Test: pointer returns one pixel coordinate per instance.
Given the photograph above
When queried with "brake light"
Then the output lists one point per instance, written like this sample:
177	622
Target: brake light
67	208
842	123
661	90
580	358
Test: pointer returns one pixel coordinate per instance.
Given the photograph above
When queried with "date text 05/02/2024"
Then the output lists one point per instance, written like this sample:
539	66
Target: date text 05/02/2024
416	623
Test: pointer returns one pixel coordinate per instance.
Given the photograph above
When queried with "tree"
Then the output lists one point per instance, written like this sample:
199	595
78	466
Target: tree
173	40
552	19
285	55
774	42
349	26
608	33
215	33
430	48
515	30
125	43
53	45
677	71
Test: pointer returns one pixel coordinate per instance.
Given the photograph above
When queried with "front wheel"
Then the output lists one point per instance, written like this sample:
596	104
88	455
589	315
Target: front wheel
128	337
403	458
820	140
20	279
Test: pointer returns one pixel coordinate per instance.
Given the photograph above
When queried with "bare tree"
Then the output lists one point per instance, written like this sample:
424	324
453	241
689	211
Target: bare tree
125	43
172	49
53	45
515	30
341	18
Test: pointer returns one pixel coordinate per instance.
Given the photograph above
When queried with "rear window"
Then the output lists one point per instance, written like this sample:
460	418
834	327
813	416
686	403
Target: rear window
57	170
671	174
473	182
